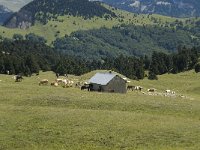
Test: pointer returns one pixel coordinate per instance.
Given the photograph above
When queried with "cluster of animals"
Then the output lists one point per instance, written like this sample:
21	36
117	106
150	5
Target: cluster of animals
64	82
139	88
166	93
132	87
153	91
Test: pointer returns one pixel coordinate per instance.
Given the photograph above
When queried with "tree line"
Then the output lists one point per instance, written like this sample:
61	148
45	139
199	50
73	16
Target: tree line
185	59
30	55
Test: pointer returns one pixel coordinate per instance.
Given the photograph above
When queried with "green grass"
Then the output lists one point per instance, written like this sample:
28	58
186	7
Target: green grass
71	24
43	117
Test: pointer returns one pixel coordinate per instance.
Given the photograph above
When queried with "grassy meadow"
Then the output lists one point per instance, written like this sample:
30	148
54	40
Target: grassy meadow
44	117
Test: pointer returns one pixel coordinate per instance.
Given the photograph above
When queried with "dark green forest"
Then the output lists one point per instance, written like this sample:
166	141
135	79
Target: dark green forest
128	40
185	59
30	55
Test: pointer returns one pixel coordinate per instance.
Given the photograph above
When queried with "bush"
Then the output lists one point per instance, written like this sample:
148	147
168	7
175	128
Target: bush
152	76
197	68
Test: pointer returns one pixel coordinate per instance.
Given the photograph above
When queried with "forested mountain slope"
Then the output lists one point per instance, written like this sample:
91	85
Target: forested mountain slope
127	40
44	10
66	24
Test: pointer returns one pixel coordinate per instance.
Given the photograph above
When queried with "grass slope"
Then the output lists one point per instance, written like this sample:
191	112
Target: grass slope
44	117
68	24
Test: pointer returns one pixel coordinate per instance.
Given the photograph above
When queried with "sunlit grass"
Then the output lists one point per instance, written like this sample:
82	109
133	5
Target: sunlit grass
45	117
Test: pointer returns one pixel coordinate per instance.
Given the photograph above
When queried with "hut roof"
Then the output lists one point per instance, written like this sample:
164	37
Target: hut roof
102	78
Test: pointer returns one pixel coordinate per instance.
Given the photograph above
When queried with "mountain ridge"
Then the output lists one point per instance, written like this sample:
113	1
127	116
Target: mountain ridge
5	13
14	5
174	8
45	10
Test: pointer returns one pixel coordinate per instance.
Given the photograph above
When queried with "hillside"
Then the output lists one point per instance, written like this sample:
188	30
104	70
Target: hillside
45	10
175	8
44	117
51	37
5	13
65	25
126	39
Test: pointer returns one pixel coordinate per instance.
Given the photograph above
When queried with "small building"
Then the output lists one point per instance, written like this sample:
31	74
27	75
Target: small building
108	82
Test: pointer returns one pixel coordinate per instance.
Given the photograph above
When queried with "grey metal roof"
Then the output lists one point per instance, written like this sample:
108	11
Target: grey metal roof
102	78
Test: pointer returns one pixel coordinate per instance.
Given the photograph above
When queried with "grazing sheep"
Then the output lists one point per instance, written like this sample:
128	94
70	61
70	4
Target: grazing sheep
151	90
67	83
138	88
59	81
43	82
54	83
170	92
173	92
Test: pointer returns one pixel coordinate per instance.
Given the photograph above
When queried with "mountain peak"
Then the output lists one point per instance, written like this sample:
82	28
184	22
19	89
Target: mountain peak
4	9
14	5
45	10
4	13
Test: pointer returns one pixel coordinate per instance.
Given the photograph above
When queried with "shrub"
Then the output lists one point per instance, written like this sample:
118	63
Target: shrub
197	68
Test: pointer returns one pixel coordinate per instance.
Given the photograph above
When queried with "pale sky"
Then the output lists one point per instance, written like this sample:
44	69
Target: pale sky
14	5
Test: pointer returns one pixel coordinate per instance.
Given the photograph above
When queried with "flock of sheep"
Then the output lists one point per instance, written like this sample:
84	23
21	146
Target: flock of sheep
154	92
151	91
65	83
59	81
